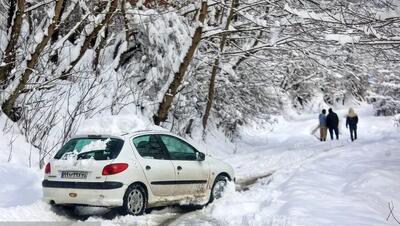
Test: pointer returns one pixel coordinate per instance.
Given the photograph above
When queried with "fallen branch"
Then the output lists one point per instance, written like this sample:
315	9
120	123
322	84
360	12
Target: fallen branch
391	208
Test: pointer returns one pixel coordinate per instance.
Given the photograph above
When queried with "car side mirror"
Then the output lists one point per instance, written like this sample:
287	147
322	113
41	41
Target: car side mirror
200	156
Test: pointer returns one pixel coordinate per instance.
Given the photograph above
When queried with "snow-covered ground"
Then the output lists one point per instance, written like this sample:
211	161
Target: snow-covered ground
302	181
314	183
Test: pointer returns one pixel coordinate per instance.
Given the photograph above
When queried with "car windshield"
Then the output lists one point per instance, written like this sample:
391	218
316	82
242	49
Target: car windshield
91	148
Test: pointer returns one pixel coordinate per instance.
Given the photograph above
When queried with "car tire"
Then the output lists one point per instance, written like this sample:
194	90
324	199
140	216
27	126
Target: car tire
68	210
218	187
135	200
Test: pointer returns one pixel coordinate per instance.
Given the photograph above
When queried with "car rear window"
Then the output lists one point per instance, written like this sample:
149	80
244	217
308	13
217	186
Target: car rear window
91	148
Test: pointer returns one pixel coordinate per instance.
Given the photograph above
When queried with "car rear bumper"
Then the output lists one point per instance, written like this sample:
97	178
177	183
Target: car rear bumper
108	194
82	185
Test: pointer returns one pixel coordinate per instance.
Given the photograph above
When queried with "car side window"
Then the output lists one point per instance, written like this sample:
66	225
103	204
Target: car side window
149	146
178	149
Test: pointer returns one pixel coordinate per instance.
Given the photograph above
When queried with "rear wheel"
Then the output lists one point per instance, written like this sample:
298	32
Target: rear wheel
68	210
218	188
135	200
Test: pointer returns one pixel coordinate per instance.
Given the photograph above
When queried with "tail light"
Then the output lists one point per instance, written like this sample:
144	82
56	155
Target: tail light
47	169
114	168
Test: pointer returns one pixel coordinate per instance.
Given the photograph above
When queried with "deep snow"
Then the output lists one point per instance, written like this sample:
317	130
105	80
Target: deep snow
336	182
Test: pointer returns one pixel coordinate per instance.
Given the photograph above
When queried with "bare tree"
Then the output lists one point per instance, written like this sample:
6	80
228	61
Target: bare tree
15	22
91	37
168	98
215	66
8	105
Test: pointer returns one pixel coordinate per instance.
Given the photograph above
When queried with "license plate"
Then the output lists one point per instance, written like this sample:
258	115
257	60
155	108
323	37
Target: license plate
73	175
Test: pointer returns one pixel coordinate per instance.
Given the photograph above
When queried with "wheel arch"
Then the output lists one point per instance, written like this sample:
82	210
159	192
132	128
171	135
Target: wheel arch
224	174
143	185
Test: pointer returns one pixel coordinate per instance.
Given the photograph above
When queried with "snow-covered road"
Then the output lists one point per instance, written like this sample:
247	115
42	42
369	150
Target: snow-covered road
301	182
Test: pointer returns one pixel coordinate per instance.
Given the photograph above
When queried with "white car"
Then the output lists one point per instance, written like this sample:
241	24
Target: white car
134	171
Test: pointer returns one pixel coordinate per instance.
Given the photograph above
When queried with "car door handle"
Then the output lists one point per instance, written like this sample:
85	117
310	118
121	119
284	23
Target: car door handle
179	168
148	168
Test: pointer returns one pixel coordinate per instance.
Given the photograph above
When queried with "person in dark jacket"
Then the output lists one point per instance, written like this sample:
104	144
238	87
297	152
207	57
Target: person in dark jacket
332	122
322	125
351	121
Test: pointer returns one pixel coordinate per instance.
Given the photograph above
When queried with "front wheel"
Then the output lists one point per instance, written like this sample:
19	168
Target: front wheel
134	200
218	188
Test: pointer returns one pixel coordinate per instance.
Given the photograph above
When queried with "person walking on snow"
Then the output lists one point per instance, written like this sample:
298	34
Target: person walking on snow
332	121
322	126
351	121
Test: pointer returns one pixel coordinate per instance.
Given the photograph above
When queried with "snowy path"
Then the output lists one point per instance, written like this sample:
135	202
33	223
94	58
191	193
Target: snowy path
288	179
308	193
332	183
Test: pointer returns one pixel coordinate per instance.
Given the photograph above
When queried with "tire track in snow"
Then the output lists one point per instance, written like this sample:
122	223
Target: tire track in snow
245	184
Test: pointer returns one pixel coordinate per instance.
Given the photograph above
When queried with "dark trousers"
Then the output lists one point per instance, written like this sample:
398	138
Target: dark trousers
353	133
336	130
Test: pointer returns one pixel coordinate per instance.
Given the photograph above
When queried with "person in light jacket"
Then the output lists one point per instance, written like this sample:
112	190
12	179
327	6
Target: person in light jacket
351	123
323	130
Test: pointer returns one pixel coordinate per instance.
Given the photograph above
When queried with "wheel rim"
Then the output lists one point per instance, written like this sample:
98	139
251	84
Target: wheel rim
219	188
135	201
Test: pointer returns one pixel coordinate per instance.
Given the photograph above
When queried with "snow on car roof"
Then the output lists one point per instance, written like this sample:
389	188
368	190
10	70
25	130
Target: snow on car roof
99	135
95	136
117	125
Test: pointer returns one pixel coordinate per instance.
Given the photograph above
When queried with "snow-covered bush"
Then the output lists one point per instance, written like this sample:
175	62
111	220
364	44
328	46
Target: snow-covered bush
385	95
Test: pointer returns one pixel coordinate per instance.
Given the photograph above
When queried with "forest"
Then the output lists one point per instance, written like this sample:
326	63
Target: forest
216	64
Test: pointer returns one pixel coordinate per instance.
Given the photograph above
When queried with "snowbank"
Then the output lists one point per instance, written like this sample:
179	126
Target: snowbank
13	146
19	185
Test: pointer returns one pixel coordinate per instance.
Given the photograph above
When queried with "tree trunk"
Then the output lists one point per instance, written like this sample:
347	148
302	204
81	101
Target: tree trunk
8	105
126	27
248	53
168	98
102	44
215	66
10	51
11	12
87	44
54	56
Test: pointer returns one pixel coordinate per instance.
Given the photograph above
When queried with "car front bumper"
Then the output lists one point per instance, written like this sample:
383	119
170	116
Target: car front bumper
107	194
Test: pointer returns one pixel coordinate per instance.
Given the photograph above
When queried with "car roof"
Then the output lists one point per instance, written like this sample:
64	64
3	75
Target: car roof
147	131
123	135
135	133
95	136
